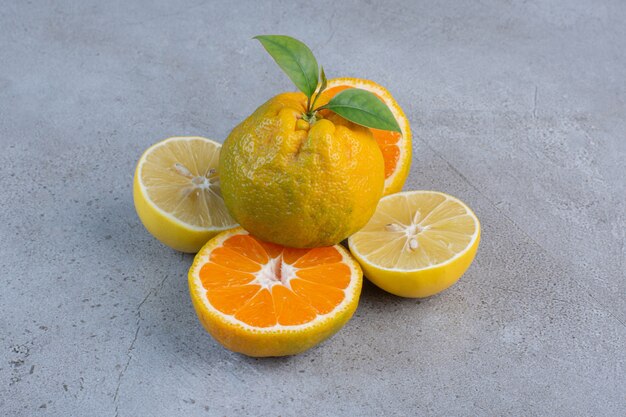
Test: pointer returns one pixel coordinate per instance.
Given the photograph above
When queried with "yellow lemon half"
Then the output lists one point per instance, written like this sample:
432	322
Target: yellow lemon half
418	243
177	192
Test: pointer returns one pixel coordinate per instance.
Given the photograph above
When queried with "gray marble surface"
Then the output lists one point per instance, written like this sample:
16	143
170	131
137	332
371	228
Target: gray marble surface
517	108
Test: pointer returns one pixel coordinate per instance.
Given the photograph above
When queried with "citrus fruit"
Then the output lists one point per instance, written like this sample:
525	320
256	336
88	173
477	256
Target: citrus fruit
296	183
396	147
263	299
418	243
177	192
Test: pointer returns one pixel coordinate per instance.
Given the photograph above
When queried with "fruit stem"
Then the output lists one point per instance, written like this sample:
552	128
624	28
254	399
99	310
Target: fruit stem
310	117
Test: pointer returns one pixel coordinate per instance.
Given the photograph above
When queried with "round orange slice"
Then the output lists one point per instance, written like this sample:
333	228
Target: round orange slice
263	299
396	147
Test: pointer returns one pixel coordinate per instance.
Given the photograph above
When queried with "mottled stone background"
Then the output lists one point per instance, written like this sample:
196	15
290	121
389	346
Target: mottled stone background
517	108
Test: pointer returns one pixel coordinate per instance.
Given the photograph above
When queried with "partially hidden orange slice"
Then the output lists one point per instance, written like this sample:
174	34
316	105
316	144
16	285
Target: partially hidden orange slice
263	299
395	147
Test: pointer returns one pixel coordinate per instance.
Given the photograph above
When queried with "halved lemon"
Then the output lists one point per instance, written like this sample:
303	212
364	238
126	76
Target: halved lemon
395	147
263	299
177	192
418	243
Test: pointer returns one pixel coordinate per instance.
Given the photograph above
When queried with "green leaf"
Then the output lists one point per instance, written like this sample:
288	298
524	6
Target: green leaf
320	90
363	108
295	58
324	80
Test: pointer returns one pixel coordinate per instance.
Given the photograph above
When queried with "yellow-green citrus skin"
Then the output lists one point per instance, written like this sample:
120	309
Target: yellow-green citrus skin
296	184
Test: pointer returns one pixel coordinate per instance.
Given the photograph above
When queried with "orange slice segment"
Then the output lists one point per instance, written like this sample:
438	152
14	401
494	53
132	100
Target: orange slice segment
264	299
395	147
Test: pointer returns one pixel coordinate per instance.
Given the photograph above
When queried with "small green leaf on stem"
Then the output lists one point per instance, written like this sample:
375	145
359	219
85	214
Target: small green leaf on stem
363	108
320	90
324	81
295	59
